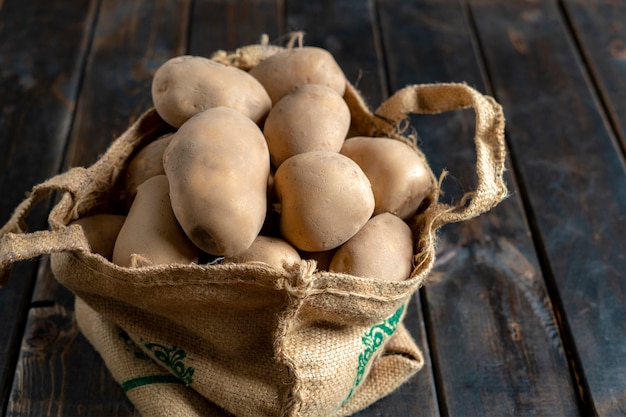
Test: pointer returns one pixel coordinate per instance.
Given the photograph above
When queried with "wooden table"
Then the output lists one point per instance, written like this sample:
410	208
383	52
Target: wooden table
525	312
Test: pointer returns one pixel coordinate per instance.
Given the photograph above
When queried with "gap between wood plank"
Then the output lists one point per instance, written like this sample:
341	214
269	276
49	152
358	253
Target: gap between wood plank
189	31
431	338
79	86
385	82
591	78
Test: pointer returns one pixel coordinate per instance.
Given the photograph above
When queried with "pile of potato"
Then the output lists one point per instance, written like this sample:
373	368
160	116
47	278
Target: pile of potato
261	168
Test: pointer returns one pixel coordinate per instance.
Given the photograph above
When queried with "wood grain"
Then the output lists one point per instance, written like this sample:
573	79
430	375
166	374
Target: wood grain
490	320
573	180
37	98
63	375
227	25
600	29
131	41
353	41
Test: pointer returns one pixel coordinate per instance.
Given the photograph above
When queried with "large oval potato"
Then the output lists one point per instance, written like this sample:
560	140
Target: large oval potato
187	85
101	231
312	118
273	251
383	248
151	235
218	166
286	70
399	176
325	198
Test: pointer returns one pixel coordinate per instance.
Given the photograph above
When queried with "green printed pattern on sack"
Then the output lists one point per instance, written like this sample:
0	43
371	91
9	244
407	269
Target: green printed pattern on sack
372	340
149	380
172	357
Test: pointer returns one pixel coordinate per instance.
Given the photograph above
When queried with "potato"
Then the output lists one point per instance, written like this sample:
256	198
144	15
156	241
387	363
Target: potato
273	251
283	72
399	176
218	166
151	235
101	231
325	198
322	258
383	248
312	118
186	85
146	164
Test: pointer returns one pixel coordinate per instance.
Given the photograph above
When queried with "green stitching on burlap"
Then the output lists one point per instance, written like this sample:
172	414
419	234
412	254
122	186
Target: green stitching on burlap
148	380
172	357
372	340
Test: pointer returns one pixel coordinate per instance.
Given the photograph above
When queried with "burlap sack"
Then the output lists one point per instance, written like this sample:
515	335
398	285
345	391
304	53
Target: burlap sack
139	376
247	338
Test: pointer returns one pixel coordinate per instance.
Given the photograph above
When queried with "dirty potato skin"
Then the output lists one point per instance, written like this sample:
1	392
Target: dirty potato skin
286	70
325	198
399	176
383	249
312	118
151	235
218	166
186	85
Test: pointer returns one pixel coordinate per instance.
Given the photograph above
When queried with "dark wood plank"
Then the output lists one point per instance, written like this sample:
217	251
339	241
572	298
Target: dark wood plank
492	330
353	41
59	373
227	25
600	28
355	44
131	41
37	98
573	180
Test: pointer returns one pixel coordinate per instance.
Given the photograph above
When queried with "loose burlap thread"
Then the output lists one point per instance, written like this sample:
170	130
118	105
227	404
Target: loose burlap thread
248	339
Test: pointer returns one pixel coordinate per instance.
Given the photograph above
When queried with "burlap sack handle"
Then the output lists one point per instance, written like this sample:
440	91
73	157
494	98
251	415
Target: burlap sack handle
488	139
17	245
76	183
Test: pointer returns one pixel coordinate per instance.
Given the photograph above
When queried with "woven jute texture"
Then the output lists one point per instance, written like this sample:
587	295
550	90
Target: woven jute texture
139	376
247	338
